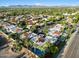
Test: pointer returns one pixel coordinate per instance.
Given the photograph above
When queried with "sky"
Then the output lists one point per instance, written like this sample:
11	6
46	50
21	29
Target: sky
40	2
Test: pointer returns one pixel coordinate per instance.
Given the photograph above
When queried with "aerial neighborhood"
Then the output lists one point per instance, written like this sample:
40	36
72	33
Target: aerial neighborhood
39	35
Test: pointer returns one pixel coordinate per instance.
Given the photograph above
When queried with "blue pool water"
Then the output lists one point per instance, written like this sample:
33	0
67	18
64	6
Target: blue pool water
38	52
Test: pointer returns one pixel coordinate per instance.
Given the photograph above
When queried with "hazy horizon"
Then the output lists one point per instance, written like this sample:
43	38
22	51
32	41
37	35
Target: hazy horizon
40	2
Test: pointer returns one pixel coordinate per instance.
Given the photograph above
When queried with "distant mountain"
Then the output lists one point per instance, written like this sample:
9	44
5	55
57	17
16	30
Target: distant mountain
26	6
35	6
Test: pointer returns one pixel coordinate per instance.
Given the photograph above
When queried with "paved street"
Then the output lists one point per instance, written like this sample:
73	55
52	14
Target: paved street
73	50
7	53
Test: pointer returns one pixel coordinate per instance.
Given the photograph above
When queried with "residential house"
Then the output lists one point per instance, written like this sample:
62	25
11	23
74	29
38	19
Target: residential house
54	33
24	35
18	30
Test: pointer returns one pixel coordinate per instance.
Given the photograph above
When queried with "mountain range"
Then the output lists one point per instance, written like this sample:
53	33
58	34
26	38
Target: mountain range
33	6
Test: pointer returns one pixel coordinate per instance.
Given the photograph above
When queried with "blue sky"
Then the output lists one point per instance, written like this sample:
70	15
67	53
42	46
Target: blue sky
39	2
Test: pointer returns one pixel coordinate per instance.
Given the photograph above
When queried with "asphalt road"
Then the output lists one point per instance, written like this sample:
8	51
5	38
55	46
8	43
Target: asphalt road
73	50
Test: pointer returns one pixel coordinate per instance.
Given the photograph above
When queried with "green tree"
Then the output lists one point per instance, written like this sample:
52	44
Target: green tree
54	49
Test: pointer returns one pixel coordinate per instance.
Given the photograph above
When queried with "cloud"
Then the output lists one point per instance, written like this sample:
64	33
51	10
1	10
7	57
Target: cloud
38	4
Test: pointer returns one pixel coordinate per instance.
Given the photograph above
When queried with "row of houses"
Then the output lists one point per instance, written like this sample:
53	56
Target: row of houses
11	28
40	40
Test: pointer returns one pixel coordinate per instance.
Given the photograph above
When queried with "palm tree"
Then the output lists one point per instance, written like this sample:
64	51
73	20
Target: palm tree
16	47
